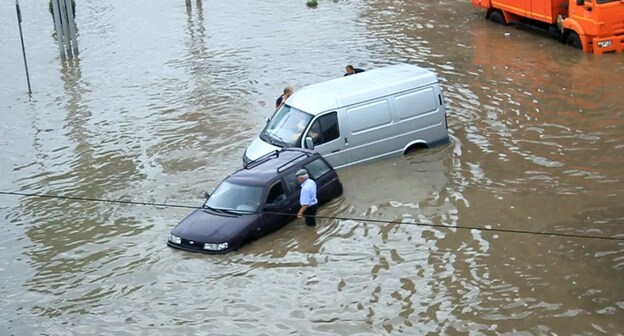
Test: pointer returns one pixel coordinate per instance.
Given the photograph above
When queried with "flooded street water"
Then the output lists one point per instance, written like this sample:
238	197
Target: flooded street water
161	103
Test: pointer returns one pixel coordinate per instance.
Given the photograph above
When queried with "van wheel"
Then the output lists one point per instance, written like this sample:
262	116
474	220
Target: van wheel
574	41
415	147
497	17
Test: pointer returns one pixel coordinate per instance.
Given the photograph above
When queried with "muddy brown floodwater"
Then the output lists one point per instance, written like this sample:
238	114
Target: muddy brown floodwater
161	103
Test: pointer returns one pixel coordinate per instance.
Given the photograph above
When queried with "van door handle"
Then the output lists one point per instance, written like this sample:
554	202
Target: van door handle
346	141
336	151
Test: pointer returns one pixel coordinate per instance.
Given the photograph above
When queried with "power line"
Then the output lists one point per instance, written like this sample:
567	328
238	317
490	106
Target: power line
377	221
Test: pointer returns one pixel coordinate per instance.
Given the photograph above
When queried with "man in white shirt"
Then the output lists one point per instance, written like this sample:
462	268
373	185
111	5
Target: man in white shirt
307	198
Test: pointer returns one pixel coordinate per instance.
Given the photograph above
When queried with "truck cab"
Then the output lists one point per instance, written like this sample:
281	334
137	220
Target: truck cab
598	25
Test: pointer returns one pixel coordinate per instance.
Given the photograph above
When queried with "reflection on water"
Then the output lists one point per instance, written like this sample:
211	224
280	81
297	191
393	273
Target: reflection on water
161	103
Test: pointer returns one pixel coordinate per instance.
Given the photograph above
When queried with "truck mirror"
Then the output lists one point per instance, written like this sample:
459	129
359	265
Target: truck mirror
309	144
580	2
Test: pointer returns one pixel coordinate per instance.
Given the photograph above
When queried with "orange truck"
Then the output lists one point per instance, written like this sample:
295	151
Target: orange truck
596	26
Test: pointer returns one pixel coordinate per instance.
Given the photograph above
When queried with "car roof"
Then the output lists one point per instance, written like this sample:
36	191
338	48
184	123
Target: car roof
271	166
371	84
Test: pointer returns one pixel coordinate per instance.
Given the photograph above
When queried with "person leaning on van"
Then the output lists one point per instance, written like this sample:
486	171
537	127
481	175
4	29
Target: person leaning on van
350	70
282	99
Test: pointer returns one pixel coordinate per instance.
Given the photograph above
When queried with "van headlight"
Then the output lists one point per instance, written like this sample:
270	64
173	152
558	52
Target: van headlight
216	247
604	44
175	239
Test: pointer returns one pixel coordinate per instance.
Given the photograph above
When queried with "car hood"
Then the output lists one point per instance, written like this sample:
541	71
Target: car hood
258	148
208	227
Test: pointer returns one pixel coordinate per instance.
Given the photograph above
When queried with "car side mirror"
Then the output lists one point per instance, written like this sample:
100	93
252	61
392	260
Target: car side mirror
206	195
580	2
269	208
309	144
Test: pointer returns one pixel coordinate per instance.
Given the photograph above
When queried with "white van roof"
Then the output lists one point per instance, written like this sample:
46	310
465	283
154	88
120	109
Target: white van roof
367	85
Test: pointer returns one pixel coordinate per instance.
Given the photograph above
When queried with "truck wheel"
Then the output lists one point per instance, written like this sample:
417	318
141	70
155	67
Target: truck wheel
497	17
574	41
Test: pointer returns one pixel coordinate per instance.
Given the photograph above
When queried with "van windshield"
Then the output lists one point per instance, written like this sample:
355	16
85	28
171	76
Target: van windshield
286	126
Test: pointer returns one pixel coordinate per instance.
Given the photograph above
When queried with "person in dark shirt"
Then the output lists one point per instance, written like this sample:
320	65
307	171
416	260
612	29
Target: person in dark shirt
350	70
282	99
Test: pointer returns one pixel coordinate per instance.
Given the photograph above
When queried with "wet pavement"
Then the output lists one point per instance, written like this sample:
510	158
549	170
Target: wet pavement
161	103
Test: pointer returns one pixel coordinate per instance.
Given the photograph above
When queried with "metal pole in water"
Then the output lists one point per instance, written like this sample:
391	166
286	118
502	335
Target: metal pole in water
72	26
188	3
65	24
19	23
57	26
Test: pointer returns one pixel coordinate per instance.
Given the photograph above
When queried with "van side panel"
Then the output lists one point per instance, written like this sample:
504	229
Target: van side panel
417	117
371	124
414	103
423	116
365	118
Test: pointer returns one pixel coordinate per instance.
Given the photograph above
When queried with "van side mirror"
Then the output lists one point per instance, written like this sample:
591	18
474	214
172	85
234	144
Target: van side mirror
206	195
267	119
580	2
309	144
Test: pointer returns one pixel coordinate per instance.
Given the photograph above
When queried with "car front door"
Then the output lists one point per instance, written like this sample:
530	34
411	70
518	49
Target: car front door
292	192
324	177
275	208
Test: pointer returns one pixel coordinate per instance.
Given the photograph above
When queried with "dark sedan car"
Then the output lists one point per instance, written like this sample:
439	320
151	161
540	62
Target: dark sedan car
254	201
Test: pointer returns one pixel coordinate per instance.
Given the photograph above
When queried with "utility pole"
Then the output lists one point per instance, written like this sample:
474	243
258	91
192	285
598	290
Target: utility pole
197	2
72	25
19	23
57	27
65	27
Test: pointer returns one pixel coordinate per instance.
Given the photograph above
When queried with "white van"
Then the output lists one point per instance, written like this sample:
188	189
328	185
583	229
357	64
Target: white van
362	117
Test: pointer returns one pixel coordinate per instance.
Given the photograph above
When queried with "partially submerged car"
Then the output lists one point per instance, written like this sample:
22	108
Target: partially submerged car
254	201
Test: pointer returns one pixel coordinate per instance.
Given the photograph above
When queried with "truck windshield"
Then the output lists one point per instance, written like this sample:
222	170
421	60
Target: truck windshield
286	126
232	197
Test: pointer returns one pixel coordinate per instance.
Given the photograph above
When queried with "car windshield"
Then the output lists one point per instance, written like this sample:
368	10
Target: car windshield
286	126
232	197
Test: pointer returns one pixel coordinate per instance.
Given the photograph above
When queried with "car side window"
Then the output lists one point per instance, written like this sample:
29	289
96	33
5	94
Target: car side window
317	168
325	129
291	181
276	194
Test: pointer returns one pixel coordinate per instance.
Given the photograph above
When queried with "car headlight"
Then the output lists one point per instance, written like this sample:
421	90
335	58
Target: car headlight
604	44
216	247
175	239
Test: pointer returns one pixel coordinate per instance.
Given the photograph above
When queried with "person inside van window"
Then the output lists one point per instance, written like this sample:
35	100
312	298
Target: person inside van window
282	99
350	70
313	133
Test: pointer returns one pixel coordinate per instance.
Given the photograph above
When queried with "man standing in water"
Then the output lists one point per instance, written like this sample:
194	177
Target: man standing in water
307	198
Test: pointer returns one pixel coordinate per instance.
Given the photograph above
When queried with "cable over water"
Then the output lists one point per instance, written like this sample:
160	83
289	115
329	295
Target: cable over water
368	220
